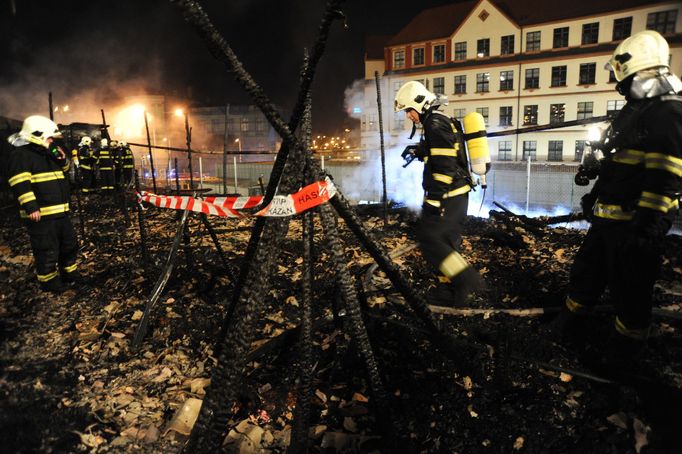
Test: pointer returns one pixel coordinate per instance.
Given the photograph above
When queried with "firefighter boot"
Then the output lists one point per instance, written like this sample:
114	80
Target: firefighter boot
73	277
567	328
54	285
626	357
440	295
464	285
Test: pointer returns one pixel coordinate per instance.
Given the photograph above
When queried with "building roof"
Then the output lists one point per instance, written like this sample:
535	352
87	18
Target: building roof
440	22
533	12
433	23
374	46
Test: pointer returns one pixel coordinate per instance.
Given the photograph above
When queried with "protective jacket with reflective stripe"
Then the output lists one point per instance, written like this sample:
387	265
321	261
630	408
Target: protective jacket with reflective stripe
38	182
441	147
105	159
643	177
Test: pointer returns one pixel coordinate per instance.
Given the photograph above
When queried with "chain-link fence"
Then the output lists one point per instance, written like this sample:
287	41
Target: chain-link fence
528	188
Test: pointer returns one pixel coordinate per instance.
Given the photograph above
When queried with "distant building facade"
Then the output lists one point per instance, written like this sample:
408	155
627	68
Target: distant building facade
519	63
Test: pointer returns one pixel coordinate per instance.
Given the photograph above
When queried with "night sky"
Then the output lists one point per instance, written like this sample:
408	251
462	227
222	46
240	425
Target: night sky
94	52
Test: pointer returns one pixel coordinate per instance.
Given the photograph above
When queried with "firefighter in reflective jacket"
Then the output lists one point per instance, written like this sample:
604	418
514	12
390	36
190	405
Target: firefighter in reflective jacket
635	197
87	162
106	167
36	175
127	162
446	185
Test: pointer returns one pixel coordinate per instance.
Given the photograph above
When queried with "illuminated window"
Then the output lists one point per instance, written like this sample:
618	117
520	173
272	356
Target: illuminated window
530	115
483	47
556	113
506	80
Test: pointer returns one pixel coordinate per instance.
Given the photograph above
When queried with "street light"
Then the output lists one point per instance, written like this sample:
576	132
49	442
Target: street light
239	143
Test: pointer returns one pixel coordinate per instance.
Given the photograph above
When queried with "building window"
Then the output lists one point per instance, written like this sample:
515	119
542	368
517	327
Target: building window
612	77
556	113
261	124
482	82
560	38
398	59
483	47
507	45
461	51
579	149
587	73
612	107
585	110
439	53
556	150
532	41
506	80
590	33
439	85
506	116
399	120
558	76
504	152
460	84
372	124
530	115
530	149
532	78
459	113
663	22
418	56
622	28
484	113
245	126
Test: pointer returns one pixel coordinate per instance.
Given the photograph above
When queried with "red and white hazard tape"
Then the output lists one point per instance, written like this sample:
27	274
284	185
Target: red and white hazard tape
281	205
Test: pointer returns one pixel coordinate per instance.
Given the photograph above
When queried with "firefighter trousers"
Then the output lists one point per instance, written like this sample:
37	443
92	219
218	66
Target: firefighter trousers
439	232
611	257
107	177
88	182
54	245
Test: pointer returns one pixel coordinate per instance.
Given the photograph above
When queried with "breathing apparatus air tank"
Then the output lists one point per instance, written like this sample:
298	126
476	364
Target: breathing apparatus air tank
477	145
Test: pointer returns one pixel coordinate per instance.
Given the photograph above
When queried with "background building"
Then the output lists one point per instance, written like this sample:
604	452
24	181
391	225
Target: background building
517	62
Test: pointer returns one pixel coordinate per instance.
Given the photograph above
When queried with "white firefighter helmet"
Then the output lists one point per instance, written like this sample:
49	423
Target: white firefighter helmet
114	143
414	95
104	142
85	141
37	129
643	50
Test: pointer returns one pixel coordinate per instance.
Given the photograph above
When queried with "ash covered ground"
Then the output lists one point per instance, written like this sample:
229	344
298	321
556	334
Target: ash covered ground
70	382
